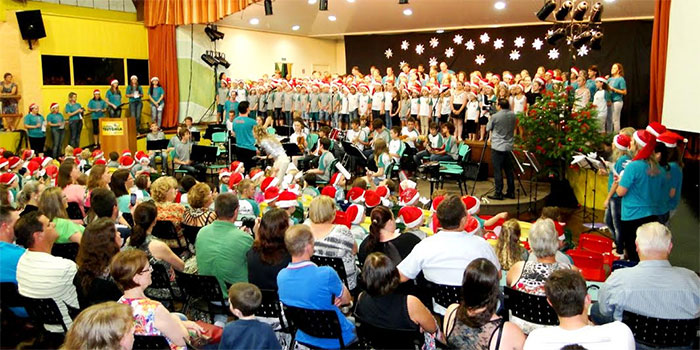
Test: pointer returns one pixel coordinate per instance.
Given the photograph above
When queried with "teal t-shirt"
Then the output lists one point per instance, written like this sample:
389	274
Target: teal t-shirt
243	127
619	167
156	93
31	119
123	203
617	83
70	108
114	98
674	181
55	118
645	193
231	106
97	104
130	90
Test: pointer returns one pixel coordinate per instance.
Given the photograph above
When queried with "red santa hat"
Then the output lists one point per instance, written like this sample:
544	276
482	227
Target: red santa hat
286	199
33	168
507	75
234	180
255	174
126	162
411	216
46	161
436	202
601	79
96	91
557	80
550	72
115	81
271	194
372	199
622	142
335	179
26	154
355	214
101	161
538	80
472	204
668	138
655	128
142	157
268	182
8	178
77	151
473	226
383	191
294	188
31	106
53	105
51	171
97	154
574	70
224	173
647	141
328	191
356	195
409	196
236	167
126	152
14	162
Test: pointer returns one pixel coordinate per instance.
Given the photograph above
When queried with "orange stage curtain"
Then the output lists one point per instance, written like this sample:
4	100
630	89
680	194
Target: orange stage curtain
179	12
162	63
659	44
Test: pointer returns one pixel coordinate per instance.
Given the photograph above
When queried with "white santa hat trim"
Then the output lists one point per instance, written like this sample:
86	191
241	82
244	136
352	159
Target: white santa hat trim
639	139
413	199
414	223
286	204
618	145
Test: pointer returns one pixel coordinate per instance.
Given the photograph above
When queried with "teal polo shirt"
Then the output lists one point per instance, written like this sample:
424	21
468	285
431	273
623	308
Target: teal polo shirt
221	252
156	93
243	127
31	119
97	104
70	108
645	193
130	90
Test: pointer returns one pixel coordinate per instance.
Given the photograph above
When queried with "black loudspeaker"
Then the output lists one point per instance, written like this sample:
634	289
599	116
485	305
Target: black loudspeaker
30	24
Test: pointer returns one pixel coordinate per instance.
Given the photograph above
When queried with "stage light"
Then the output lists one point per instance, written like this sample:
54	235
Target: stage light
332	18
596	40
499	5
213	33
311	2
564	10
351	0
222	60
403	2
581	39
555	36
546	9
295	27
596	13
209	59
580	11
323	5
268	7
407	12
254	21
440	31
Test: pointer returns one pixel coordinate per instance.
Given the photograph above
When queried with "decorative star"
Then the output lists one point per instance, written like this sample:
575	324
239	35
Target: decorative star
519	41
550	32
458	39
537	44
553	54
498	43
449	52
419	49
484	38
434	42
432	62
404	45
470	44
583	51
388	53
480	59
401	63
515	55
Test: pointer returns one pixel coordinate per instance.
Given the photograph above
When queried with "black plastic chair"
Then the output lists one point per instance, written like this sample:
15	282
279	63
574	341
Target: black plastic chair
336	263
166	230
74	212
161	280
529	307
190	233
443	294
10	298
129	219
380	338
316	323
201	291
662	332
66	250
44	312
150	342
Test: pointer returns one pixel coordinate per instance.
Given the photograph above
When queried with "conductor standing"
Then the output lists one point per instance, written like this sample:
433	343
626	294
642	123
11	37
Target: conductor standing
502	127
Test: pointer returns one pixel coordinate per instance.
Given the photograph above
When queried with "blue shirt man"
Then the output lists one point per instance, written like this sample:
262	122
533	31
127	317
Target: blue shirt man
243	128
9	252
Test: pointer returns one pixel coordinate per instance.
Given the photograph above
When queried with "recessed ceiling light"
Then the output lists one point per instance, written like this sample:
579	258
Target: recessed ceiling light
331	18
609	0
295	27
351	0
499	5
311	2
440	31
407	12
254	21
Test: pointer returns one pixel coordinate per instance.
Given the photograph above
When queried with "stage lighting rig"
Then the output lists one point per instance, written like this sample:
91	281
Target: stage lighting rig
210	59
213	33
569	21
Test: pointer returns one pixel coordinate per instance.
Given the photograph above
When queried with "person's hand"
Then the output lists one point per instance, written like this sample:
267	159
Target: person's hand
605	203
602	171
337	302
503	215
256	227
189	162
192	326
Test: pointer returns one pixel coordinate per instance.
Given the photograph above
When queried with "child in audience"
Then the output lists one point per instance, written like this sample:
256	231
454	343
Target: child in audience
396	146
555	214
247	332
288	202
435	143
412	217
355	215
246	191
383	161
508	249
310	188
324	162
113	159
142	184
363	124
360	182
224	177
186	183
338	183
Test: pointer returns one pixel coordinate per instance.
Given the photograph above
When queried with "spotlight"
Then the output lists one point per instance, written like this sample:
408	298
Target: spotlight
407	12
561	13
209	59
213	33
254	21
332	18
499	5
323	5
295	27
555	36
268	7
403	2
546	10
596	13
596	40
581	39
580	11
222	60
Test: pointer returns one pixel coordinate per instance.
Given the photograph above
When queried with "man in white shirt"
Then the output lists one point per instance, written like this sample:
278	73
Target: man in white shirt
566	292
41	275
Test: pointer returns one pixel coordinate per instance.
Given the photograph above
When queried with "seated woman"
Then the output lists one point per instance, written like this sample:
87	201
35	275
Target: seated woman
199	213
164	191
108	325
473	323
28	198
383	237
52	204
99	244
120	183
269	255
529	276
67	180
380	306
131	270
99	177
330	240
508	248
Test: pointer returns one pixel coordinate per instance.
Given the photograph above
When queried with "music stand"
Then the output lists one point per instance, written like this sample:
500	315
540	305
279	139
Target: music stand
157	145
282	130
520	162
588	163
204	154
212	128
534	174
292	149
196	136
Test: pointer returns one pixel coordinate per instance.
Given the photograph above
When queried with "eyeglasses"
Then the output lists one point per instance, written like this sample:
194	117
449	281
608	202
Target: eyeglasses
149	269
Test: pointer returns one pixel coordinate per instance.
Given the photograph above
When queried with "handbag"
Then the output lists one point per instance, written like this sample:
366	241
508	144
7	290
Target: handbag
211	335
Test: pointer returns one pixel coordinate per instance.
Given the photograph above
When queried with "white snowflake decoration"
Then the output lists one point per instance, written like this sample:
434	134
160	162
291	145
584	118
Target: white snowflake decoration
470	44
401	64
537	44
583	51
480	59
432	62
484	38
553	54
388	53
404	45
449	52
498	43
420	49
434	42
519	41
515	55
550	32
458	39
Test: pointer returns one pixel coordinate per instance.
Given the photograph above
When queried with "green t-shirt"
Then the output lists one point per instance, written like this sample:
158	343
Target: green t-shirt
114	97
221	252
130	90
33	120
156	93
56	118
70	108
97	104
66	228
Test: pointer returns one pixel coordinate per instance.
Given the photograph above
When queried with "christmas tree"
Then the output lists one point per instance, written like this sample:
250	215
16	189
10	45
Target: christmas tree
554	130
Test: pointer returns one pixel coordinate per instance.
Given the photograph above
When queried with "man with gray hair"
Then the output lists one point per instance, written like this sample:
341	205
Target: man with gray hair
653	288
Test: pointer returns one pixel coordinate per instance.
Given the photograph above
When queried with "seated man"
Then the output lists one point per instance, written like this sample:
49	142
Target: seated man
41	275
444	256
9	251
303	284
653	288
182	154
103	204
566	292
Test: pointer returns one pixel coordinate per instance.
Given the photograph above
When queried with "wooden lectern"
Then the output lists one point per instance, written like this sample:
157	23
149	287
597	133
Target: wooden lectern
117	134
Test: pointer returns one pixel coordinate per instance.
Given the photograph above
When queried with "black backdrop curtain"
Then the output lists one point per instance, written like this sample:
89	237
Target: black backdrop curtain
626	42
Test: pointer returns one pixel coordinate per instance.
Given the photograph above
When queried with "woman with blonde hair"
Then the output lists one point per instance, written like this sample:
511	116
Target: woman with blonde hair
508	248
199	213
52	204
105	326
28	198
163	192
273	148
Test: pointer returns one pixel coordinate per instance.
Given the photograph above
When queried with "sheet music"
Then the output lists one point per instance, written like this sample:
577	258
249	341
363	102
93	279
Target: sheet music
585	161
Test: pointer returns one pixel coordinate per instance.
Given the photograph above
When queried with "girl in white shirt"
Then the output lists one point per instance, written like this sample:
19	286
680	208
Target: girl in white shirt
377	102
363	106
459	103
414	104
445	106
473	112
353	103
424	110
344	108
600	100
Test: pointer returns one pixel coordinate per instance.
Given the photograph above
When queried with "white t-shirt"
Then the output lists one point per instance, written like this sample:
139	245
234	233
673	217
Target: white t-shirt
518	104
387	100
459	97
601	104
364	104
411	134
473	110
352	135
414	106
353	101
615	335
424	106
446	106
344	103
394	148
377	101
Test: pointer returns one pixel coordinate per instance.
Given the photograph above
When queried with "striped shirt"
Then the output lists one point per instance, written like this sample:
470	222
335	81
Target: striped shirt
653	288
339	243
41	276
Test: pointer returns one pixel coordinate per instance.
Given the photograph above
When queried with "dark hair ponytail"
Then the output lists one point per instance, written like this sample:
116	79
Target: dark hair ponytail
144	216
378	217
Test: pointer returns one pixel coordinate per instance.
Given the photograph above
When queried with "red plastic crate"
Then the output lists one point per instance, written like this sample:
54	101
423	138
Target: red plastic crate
590	264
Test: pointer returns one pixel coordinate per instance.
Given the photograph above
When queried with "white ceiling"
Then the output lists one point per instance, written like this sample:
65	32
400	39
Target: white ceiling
375	16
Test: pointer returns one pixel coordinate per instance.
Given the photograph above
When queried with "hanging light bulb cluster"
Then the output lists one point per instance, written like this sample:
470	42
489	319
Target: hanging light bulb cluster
570	22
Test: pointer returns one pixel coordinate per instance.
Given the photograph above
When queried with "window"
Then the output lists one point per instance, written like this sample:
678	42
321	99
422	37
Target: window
139	68
97	71
55	70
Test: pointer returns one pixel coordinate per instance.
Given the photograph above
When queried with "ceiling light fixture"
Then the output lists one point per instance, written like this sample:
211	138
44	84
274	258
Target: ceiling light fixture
331	18
351	0
563	10
546	10
440	31
407	12
311	2
403	2
323	5
295	27
268	7
254	21
499	5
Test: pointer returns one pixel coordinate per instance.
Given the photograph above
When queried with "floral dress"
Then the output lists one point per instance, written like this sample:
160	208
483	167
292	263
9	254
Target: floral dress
174	213
145	317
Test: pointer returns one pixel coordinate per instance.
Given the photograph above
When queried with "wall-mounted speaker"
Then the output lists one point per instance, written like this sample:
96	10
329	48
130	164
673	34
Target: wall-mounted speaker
31	26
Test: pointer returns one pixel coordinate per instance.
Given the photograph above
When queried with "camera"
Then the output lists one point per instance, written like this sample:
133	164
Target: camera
248	222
